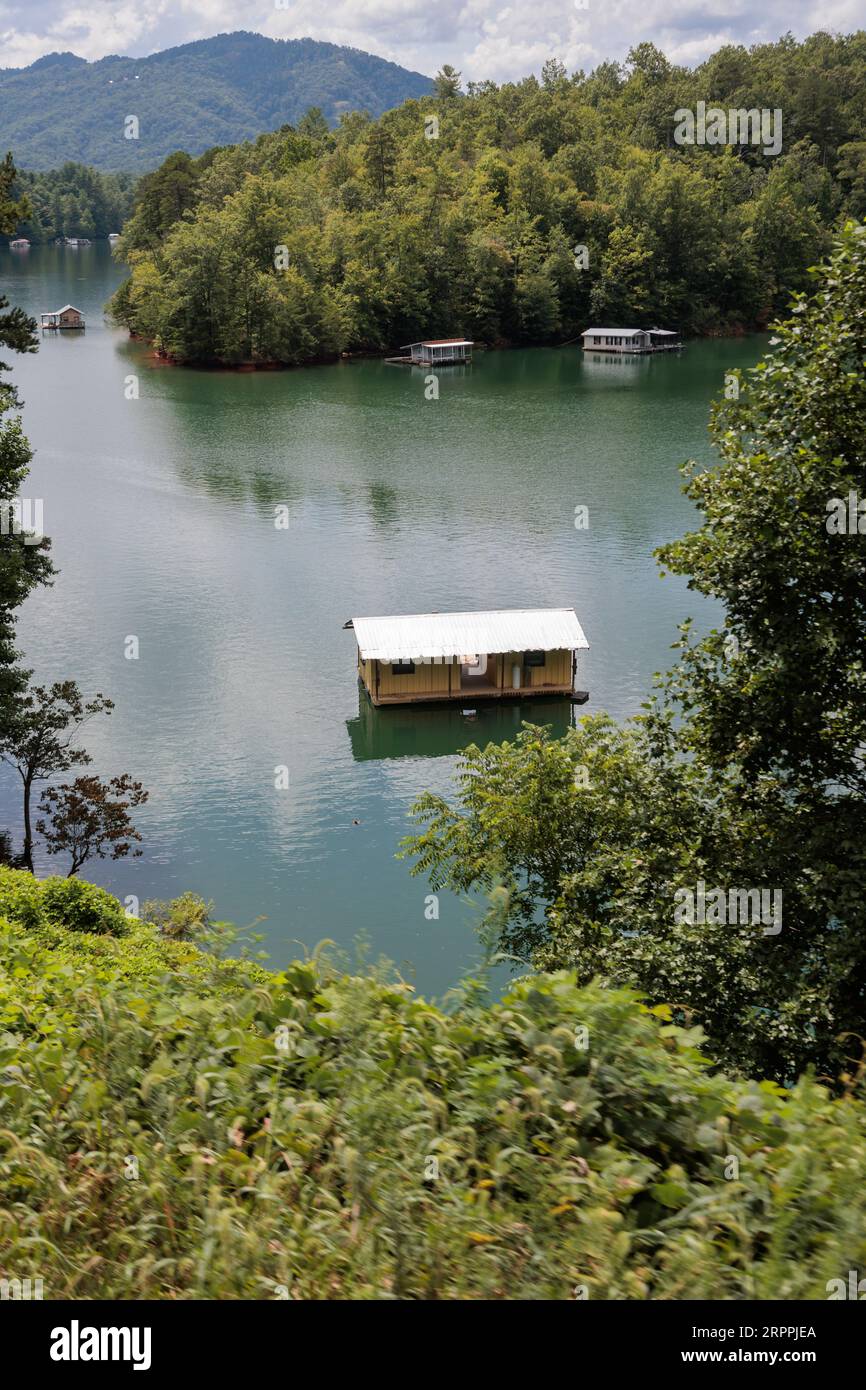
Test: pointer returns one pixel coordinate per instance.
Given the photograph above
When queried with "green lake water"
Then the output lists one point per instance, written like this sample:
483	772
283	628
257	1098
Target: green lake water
161	511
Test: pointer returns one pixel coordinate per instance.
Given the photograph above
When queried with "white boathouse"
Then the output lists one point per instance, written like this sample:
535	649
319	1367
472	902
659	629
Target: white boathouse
630	339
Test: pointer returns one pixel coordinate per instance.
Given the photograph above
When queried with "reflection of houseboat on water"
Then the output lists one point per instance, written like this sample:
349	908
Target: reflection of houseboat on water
443	731
630	340
510	653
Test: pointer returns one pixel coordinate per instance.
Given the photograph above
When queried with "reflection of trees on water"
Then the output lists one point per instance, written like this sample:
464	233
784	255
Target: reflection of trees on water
504	454
384	508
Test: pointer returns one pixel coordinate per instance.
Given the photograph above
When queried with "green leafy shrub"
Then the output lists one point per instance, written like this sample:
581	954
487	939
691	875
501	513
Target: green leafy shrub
183	919
81	906
201	1133
70	903
20	897
90	929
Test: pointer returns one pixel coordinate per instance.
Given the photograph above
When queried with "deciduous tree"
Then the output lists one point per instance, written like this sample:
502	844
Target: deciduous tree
38	739
89	819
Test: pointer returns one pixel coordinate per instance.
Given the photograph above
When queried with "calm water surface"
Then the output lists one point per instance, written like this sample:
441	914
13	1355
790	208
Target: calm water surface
161	512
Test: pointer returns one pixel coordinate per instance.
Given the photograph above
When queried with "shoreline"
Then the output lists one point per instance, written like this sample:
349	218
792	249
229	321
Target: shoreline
165	359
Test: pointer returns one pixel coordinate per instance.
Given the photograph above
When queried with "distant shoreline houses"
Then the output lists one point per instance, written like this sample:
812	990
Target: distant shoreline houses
23	243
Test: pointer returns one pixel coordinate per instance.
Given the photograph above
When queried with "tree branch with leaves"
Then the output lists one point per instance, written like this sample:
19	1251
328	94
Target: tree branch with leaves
89	819
38	740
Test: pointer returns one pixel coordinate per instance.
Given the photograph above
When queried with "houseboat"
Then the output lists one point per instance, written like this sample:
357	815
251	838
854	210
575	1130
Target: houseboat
113	236
19	244
509	653
67	317
630	339
437	352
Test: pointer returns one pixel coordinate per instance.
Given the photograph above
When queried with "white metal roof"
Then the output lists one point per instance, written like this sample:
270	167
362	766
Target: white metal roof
620	332
442	342
416	636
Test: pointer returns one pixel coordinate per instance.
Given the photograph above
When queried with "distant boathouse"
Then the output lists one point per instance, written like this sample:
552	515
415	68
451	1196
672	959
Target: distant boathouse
631	339
436	352
67	317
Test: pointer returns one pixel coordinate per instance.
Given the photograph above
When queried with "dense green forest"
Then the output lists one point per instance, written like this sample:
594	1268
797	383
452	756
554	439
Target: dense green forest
467	213
73	201
214	91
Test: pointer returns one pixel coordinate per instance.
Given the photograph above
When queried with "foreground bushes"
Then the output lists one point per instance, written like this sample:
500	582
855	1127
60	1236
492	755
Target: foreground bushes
85	925
323	1135
68	902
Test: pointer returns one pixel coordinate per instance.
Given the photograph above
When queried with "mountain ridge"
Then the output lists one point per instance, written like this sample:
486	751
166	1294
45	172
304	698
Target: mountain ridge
215	91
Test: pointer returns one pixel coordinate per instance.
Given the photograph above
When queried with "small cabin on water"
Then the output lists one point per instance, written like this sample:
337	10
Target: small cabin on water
19	244
509	653
631	339
439	352
67	317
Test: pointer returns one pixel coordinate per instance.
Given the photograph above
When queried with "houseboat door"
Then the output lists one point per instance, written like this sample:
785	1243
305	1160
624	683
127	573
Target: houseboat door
474	674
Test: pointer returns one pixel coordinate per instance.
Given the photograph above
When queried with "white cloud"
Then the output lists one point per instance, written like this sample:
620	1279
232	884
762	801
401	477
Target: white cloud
483	38
91	30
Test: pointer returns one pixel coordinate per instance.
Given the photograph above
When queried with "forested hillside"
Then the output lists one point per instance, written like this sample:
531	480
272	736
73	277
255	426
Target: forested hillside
226	88
519	214
74	201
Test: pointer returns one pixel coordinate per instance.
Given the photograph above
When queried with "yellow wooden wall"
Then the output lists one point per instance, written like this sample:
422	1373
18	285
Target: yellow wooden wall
432	679
428	680
555	671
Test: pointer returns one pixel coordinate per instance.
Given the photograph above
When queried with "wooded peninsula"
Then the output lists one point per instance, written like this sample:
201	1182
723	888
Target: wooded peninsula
513	214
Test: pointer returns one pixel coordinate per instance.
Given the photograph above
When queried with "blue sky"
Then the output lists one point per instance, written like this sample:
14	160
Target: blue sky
483	38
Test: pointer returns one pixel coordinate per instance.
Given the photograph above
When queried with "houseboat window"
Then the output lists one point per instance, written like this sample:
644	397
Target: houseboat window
402	668
533	658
